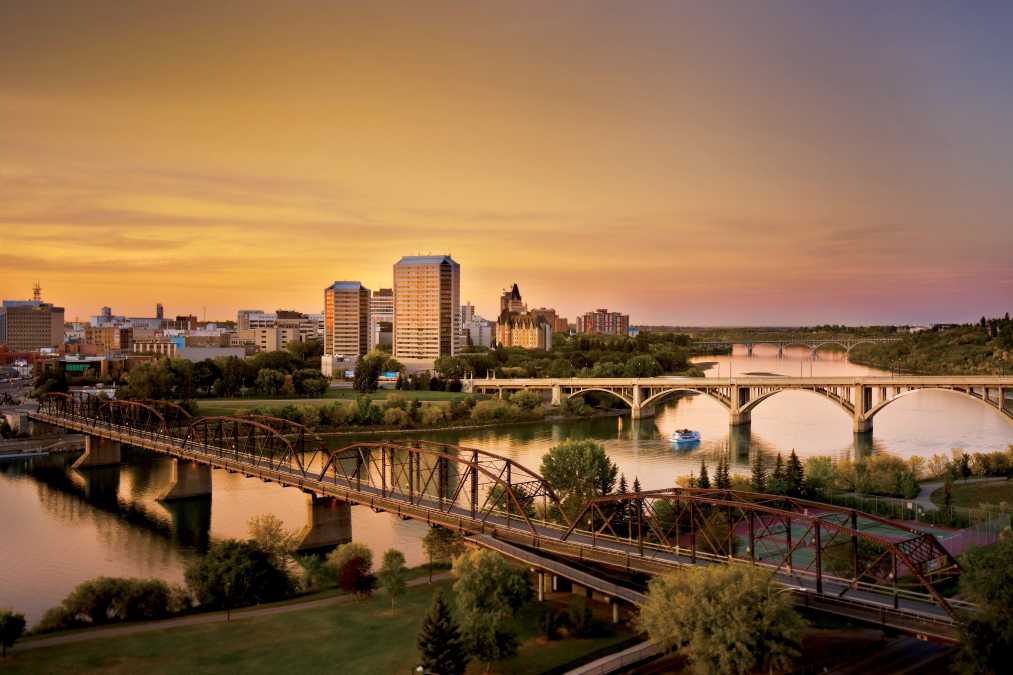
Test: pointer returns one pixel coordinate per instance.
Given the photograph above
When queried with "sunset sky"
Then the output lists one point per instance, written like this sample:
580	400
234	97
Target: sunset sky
685	162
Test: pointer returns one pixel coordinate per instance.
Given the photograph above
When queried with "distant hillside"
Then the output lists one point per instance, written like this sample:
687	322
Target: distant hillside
981	349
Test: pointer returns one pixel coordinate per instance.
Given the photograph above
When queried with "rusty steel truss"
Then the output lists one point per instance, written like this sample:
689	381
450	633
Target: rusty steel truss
835	546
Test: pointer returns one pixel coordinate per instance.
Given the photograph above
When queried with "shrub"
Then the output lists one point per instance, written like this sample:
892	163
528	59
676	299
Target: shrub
396	417
352	564
494	410
236	573
527	400
431	414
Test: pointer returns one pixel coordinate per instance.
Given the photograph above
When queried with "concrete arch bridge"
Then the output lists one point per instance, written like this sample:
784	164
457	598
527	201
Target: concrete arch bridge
846	343
861	398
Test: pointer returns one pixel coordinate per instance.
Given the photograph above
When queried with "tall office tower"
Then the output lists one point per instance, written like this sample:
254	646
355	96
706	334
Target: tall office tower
427	298
346	319
27	325
381	318
159	312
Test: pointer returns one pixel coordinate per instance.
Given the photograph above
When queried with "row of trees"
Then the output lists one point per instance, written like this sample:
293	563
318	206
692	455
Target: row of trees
646	355
294	371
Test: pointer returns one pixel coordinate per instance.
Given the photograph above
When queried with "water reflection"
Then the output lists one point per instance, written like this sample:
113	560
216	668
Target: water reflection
61	526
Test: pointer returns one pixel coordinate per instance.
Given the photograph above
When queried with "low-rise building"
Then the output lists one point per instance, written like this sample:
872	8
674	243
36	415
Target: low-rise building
603	321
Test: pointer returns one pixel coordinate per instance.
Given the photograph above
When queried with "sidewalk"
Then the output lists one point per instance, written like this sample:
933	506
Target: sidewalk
85	634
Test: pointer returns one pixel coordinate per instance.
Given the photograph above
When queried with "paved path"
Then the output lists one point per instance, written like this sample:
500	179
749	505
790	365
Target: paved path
924	496
199	619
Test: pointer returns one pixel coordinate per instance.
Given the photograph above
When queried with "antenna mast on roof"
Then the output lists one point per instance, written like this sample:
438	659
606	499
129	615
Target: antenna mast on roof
37	292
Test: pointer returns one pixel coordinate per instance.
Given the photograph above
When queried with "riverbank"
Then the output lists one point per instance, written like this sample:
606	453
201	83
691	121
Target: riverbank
371	431
363	636
962	350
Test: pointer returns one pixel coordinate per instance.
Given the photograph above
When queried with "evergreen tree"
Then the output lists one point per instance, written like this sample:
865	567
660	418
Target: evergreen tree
759	473
778	482
722	476
704	481
636	484
441	649
622	484
794	476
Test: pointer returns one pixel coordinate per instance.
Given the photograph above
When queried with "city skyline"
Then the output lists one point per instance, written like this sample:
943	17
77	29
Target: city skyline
717	164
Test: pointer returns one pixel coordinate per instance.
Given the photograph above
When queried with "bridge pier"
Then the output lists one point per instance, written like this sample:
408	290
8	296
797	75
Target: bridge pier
862	426
740	419
187	479
98	451
639	412
557	395
328	523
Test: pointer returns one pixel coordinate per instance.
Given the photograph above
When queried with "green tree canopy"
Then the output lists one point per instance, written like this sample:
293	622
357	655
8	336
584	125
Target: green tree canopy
579	470
729	618
986	637
393	575
236	573
488	593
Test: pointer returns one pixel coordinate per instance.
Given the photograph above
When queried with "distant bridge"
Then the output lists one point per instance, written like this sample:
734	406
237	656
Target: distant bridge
814	344
833	559
860	397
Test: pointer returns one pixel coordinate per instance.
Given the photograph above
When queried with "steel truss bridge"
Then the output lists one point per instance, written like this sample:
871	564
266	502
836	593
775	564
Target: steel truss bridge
861	398
833	559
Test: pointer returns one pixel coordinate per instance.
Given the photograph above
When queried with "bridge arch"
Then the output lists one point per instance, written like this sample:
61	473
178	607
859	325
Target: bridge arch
236	436
133	414
980	399
838	401
601	390
654	399
484	482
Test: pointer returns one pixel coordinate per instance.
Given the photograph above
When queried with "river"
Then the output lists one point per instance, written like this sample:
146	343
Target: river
60	527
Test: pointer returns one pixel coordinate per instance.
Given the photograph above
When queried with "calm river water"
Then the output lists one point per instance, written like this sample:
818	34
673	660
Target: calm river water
60	527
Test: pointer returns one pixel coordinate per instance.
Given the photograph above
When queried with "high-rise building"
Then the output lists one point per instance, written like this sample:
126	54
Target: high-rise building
381	318
28	325
604	321
159	312
475	330
346	319
427	298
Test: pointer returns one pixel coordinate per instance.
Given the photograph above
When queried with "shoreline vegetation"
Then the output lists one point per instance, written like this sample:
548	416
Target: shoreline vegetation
984	348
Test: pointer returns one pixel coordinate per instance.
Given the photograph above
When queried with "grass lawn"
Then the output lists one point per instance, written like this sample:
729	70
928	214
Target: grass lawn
358	637
230	406
972	494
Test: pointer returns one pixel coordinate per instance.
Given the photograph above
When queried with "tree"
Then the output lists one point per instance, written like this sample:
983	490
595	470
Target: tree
270	534
722	478
352	564
986	637
441	649
759	478
704	480
778	478
794	476
441	545
367	376
236	573
488	593
729	618
393	575
12	626
578	471
643	365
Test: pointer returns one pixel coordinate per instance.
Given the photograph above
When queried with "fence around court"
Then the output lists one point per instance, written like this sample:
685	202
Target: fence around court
957	527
